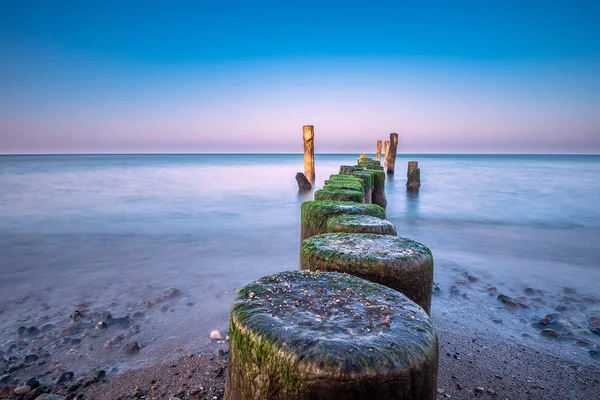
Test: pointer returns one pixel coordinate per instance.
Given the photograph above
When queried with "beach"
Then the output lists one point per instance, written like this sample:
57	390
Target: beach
125	264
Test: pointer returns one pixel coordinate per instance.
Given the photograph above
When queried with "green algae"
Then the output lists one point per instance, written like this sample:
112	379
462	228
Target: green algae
402	264
329	192
314	214
306	335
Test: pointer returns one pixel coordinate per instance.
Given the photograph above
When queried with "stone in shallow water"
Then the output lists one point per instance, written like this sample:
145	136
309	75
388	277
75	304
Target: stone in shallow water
313	335
360	224
402	264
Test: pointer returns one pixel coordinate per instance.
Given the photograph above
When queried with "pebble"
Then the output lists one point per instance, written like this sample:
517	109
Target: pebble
65	376
549	332
216	335
22	389
479	389
171	293
33	383
132	347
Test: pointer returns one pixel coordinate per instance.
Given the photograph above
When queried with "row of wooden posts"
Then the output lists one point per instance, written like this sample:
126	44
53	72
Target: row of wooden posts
353	322
307	180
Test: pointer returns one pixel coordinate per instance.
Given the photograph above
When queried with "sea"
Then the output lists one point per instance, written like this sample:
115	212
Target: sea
111	233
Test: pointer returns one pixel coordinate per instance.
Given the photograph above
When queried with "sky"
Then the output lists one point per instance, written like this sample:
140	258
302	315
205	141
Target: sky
244	77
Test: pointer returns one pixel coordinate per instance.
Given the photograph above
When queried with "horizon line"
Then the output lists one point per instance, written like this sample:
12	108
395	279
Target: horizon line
288	153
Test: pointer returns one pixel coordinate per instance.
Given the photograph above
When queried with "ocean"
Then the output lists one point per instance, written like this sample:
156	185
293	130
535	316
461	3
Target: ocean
111	233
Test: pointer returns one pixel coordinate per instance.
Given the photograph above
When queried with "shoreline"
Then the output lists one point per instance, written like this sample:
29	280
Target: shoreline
469	367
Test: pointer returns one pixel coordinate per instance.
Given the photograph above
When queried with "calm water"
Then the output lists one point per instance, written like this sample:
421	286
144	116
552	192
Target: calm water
113	231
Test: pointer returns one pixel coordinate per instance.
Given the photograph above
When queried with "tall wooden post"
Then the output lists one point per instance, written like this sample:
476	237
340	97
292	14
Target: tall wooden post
387	150
378	155
390	158
308	134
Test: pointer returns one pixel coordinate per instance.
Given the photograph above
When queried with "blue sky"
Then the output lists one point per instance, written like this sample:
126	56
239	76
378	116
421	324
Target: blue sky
460	76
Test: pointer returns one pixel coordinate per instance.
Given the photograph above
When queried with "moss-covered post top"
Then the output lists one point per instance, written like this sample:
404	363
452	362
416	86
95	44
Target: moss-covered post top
321	207
360	224
330	325
367	246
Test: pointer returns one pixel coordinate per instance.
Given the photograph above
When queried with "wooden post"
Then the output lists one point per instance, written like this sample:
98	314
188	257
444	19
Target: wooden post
308	134
378	155
390	158
413	177
387	150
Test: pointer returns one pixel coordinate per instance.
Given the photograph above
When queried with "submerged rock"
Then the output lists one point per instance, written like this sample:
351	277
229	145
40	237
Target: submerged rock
299	335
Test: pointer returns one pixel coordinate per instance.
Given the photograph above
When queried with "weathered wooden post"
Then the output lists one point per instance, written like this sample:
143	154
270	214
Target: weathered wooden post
387	150
378	155
308	134
390	157
301	335
413	177
303	183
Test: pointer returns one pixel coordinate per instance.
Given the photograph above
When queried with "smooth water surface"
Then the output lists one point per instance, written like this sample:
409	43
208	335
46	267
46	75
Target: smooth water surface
113	231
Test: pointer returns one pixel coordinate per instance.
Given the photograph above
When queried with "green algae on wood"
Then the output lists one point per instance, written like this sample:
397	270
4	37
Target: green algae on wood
310	335
330	192
367	180
347	169
402	264
314	214
360	224
378	196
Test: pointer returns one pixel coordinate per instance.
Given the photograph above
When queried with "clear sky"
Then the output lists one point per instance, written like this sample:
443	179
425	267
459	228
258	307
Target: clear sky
208	76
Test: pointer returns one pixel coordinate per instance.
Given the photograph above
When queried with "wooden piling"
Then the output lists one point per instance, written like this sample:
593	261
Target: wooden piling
387	150
390	157
378	155
308	134
413	177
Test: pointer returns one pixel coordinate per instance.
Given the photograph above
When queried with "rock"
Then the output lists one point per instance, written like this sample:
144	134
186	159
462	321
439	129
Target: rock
29	358
177	398
490	391
216	335
171	293
65	377
549	332
132	347
76	316
21	330
22	389
7	391
47	396
123	322
101	325
68	331
492	290
479	389
303	183
32	331
114	340
47	327
32	383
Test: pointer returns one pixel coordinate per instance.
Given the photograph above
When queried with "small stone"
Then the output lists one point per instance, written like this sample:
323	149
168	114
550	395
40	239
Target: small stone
32	331
68	331
490	391
21	330
171	293
76	316
29	358
459	386
216	335
33	383
101	325
441	391
132	347
22	389
492	290
479	389
549	332
65	377
47	327
174	398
